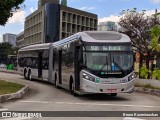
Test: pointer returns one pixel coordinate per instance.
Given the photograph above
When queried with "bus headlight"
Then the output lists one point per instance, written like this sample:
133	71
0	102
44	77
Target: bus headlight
88	77
131	77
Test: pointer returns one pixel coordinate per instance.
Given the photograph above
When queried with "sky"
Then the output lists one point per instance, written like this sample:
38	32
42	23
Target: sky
107	10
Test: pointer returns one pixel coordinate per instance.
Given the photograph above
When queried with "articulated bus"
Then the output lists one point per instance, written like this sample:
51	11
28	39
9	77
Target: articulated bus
88	62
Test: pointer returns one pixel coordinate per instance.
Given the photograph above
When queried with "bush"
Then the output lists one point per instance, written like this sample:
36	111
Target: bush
156	73
144	72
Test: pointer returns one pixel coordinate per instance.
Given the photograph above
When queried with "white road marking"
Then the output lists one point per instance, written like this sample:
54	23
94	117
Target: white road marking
3	109
94	104
35	102
130	118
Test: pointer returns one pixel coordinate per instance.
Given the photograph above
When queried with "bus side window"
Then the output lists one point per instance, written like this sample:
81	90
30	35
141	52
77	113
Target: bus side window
45	60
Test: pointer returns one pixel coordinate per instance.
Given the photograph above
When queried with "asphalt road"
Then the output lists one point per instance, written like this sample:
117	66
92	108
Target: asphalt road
45	97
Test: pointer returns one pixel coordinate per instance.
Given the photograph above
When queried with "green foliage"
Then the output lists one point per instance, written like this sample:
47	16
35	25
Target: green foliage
154	46
154	33
8	87
7	8
6	49
144	72
156	73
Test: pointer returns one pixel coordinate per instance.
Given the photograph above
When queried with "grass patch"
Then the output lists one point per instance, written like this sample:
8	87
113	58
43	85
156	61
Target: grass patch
9	87
147	86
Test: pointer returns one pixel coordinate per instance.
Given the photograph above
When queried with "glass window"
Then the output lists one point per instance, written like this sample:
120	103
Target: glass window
97	61
106	61
45	62
122	61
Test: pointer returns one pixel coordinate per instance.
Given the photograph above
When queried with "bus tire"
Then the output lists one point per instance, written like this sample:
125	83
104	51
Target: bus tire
72	89
56	82
25	74
29	75
113	94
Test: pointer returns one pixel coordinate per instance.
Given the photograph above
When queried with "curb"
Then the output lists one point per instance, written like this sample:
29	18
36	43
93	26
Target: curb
8	71
147	91
13	96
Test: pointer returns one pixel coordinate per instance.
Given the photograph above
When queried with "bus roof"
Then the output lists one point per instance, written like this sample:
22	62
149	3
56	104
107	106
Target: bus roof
104	37
95	37
86	36
36	47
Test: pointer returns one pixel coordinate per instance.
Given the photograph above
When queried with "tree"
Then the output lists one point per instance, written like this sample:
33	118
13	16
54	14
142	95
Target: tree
155	33
7	8
6	49
137	26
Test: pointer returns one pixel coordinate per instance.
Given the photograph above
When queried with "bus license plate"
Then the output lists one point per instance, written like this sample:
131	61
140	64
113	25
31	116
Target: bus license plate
111	90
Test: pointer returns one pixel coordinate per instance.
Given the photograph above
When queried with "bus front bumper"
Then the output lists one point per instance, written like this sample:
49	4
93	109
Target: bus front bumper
90	87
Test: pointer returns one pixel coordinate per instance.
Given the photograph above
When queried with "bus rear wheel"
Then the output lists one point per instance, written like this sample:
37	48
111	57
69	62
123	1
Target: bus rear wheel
113	94
72	89
25	74
29	75
56	82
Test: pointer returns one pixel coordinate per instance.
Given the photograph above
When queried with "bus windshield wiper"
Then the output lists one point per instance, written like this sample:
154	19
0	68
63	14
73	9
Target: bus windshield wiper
106	63
118	65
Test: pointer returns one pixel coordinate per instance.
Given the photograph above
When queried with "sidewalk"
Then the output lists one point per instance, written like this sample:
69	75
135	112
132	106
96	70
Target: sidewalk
13	96
143	82
8	71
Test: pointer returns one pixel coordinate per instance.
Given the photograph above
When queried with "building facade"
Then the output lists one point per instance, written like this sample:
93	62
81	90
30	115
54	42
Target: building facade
107	26
20	40
10	38
53	22
34	27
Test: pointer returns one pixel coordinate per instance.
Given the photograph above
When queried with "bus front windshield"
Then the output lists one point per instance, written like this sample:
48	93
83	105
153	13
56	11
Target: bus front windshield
108	61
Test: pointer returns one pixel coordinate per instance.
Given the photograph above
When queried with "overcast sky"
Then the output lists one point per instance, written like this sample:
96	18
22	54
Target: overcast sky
105	9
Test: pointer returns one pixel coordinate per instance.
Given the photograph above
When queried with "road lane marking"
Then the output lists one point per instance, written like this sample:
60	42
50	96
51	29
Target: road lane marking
99	104
35	102
3	109
92	104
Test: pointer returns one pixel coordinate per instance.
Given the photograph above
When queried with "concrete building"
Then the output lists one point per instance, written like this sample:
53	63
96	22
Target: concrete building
10	38
20	40
53	22
107	26
41	3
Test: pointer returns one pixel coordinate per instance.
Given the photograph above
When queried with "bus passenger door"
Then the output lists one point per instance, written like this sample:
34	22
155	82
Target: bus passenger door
77	69
40	64
60	66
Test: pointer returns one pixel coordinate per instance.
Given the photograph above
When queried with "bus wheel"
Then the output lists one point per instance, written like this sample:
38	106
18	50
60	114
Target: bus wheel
56	82
25	74
72	89
113	94
29	75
